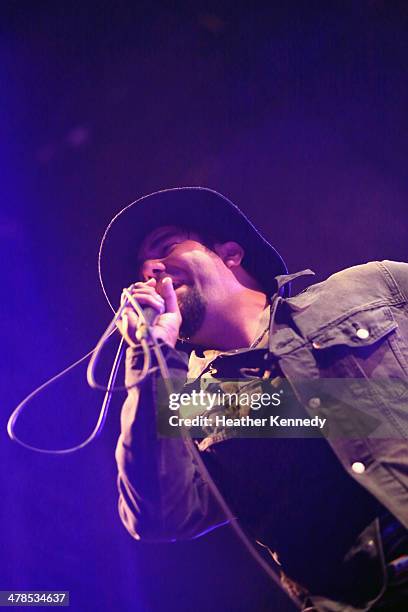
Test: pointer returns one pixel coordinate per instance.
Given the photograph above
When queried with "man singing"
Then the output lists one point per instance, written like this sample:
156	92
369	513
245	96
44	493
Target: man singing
332	510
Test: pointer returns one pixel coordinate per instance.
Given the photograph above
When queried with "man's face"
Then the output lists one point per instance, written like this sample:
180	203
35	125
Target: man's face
197	272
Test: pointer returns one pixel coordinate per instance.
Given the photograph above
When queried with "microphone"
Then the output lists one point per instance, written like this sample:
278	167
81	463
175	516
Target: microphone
150	314
146	321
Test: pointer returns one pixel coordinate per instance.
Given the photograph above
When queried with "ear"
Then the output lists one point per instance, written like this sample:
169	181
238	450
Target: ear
230	252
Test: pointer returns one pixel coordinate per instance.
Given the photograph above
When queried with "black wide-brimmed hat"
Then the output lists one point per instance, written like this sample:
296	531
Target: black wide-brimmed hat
197	208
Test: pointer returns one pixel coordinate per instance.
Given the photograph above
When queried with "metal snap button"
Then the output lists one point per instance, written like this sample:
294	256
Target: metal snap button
358	467
314	402
362	333
316	345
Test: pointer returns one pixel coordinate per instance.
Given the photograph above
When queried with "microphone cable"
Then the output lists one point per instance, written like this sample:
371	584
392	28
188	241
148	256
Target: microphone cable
109	388
143	334
206	476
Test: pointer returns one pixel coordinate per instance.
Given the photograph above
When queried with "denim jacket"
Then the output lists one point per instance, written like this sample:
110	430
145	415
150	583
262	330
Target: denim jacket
354	326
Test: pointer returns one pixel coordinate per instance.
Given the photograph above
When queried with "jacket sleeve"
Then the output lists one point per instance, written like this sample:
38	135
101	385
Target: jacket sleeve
162	496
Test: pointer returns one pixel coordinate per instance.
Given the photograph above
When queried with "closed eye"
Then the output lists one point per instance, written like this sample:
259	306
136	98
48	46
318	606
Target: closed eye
168	248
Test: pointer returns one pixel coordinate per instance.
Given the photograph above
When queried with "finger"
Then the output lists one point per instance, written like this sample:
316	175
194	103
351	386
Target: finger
145	290
155	301
141	294
150	283
169	295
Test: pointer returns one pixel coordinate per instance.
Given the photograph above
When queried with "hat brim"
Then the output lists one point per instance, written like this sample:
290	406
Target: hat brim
197	208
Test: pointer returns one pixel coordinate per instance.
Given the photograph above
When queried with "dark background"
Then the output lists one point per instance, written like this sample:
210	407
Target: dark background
298	113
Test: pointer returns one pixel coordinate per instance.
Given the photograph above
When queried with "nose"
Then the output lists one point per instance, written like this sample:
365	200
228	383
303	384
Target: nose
152	268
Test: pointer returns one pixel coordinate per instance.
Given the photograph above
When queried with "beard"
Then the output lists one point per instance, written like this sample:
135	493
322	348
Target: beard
192	308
